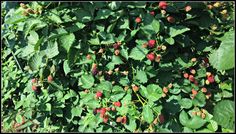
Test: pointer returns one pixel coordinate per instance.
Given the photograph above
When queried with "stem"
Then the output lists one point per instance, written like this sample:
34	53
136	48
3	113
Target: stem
14	55
139	98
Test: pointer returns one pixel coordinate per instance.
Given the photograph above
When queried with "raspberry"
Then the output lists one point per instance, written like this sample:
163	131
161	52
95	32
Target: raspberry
118	104
108	109
204	90
203	115
124	120
194	59
151	43
193	71
191	78
88	56
163	47
152	13
33	80
195	82
188	8
211	78
105	118
151	56
162	5
186	75
98	94
34	88
165	89
138	20
170	19
135	88
50	79
194	92
95	71
161	118
170	85
119	119
117	52
163	12
207	82
103	111
116	46
113	109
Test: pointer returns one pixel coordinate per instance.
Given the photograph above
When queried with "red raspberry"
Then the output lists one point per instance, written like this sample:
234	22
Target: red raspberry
152	13
211	78
138	20
98	94
116	45
188	8
186	75
34	80
170	19
151	56
162	5
34	88
194	92
161	118
105	118
191	78
50	79
118	104
124	120
103	111
151	43
119	119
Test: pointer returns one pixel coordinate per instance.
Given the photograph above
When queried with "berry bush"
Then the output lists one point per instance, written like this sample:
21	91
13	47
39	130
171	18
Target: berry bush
117	67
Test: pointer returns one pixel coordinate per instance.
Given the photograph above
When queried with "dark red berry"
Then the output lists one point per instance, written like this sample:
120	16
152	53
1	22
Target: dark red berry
118	104
98	94
138	20
151	56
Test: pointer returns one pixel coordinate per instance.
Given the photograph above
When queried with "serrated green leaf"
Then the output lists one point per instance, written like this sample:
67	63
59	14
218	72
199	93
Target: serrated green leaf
176	30
186	103
117	93
66	41
103	14
224	114
138	53
147	114
141	76
66	67
52	49
87	81
76	111
223	57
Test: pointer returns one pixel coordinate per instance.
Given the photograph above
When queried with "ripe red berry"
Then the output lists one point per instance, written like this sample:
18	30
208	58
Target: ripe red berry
211	78
33	80
34	88
98	94
191	78
50	79
151	56
118	104
161	118
116	45
204	90
138	20
162	5
152	13
124	120
103	111
188	8
151	43
186	75
170	19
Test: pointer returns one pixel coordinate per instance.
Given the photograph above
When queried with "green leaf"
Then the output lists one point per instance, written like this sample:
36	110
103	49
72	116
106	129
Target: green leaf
116	60
52	49
138	53
123	23
185	103
77	26
83	15
117	93
103	14
33	24
94	41
213	126
114	5
194	123
176	30
147	114
131	125
151	25
170	40
35	61
124	53
66	41
106	87
199	99
224	114
55	18
76	111
141	76
86	81
154	92
66	67
223	57
33	38
18	118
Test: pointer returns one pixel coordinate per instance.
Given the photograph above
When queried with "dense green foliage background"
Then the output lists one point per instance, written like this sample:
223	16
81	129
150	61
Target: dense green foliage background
101	47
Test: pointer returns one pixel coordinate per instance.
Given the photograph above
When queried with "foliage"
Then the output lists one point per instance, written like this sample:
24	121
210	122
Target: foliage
97	67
